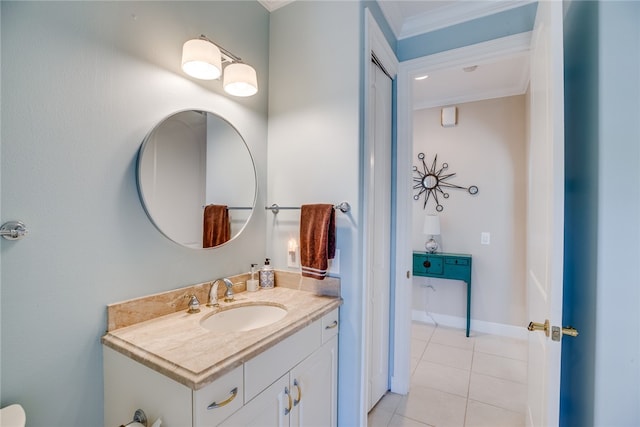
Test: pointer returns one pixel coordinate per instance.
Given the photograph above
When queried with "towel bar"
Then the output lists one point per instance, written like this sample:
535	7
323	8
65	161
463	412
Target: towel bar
343	207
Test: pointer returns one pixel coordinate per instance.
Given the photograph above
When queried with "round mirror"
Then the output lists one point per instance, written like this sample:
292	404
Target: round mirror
197	179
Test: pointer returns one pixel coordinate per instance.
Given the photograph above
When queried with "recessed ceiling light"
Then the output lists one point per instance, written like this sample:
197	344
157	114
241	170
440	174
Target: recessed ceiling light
426	76
470	69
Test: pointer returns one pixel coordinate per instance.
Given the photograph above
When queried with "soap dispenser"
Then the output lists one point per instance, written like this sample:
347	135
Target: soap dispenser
252	284
267	276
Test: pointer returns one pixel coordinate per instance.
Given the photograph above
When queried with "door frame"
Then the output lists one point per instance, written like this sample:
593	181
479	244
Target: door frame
477	54
374	43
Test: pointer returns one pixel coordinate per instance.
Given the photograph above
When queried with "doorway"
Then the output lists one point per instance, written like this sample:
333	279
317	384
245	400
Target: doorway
481	55
545	155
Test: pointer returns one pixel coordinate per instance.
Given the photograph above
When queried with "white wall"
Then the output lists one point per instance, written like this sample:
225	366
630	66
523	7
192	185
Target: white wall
487	149
314	151
82	84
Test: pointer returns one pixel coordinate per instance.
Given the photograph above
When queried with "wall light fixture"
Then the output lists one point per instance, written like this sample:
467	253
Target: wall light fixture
203	60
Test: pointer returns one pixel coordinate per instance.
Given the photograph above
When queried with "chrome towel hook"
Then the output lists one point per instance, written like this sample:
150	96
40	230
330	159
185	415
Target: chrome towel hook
13	230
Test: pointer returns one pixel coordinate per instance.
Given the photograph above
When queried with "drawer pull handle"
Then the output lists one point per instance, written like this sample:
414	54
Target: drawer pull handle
333	325
288	410
297	386
225	402
427	264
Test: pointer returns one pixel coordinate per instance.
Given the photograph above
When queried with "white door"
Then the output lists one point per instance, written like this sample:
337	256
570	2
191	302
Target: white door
379	233
545	215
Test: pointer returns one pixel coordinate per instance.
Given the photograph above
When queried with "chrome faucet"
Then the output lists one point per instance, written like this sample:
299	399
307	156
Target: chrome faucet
228	295
213	295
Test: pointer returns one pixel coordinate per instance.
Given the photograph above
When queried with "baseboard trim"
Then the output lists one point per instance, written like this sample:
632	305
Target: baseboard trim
511	331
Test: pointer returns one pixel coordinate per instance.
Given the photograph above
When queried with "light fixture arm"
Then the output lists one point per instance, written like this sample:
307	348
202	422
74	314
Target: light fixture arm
226	55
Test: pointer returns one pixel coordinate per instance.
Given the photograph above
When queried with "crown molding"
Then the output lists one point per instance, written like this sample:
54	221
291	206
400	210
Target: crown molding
272	5
454	13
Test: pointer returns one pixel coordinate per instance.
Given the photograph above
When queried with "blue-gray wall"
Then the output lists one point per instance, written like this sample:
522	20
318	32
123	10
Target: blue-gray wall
600	368
503	24
82	83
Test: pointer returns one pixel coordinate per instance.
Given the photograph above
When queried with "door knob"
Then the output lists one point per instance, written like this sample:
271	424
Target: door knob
427	264
533	326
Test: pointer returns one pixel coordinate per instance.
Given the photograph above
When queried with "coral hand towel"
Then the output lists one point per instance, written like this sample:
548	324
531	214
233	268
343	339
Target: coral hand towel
317	239
216	226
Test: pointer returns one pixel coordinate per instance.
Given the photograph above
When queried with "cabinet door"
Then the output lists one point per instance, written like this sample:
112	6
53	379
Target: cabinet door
269	408
314	386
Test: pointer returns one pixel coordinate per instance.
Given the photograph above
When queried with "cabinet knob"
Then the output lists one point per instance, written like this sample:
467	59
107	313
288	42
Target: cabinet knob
427	264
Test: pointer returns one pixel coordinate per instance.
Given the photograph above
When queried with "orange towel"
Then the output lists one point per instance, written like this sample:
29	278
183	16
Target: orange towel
216	226
317	239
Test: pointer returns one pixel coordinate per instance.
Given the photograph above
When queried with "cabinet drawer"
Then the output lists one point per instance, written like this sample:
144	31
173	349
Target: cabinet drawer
227	392
427	265
271	364
456	261
330	325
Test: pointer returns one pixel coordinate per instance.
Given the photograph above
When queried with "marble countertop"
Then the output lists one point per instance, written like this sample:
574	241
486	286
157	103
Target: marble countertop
177	346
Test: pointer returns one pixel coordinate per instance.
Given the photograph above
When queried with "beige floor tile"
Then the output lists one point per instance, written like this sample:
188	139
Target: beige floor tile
452	337
400	421
389	401
498	392
446	355
417	348
502	346
482	415
501	367
433	407
414	364
441	377
379	417
422	331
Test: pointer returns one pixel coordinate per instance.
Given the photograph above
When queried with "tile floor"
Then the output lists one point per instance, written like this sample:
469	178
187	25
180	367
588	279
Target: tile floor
459	382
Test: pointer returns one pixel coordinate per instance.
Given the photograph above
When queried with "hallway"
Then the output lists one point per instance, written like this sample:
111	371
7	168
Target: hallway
459	382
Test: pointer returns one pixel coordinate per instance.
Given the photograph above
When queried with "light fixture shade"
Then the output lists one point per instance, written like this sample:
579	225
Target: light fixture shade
240	80
201	59
431	225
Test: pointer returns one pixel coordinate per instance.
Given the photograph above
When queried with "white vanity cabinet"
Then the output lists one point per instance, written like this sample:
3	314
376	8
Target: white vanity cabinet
293	383
304	396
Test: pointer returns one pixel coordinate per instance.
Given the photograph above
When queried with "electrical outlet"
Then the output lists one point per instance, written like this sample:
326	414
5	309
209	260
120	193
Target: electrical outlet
293	254
293	259
485	238
334	264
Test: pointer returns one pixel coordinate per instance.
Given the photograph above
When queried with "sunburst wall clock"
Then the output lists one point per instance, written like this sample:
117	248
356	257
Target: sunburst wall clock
431	181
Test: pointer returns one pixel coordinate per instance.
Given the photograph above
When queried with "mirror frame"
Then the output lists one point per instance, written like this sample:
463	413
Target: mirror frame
143	202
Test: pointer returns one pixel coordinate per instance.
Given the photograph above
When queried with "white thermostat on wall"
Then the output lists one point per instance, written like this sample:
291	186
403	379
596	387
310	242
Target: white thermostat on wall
449	117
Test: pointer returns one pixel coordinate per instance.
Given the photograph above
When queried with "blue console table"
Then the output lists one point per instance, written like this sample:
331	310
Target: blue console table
445	266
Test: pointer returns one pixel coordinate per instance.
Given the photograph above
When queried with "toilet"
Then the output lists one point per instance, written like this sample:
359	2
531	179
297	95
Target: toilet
12	416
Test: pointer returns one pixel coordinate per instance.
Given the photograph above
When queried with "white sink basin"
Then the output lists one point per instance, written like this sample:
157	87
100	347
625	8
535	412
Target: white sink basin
243	318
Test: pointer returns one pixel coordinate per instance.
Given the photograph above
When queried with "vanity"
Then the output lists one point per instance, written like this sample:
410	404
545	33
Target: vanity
267	358
190	371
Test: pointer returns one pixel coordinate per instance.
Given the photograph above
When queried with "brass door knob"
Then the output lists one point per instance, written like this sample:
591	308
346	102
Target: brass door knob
533	326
